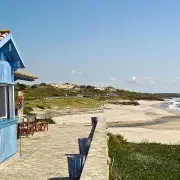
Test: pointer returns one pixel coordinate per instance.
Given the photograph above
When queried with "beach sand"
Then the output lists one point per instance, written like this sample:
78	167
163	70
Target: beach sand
147	111
139	134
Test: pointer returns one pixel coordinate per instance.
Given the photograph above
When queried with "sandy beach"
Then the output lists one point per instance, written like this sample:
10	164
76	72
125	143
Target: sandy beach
145	112
167	132
136	119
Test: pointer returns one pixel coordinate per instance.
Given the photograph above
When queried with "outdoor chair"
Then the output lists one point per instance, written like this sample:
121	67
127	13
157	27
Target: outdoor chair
41	125
26	128
42	122
23	129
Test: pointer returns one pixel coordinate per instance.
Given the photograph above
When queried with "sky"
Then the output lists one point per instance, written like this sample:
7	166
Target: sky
133	45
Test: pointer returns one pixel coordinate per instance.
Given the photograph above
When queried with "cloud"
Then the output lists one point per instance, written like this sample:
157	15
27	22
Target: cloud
152	82
74	72
144	80
113	79
133	80
157	79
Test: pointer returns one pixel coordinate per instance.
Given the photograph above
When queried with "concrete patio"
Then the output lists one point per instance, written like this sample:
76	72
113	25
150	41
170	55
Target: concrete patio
44	153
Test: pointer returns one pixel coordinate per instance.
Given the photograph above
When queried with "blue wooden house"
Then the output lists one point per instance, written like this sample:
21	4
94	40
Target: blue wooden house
10	61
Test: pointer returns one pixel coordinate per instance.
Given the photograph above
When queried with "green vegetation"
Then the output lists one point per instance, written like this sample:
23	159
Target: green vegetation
143	161
63	103
129	103
80	97
51	121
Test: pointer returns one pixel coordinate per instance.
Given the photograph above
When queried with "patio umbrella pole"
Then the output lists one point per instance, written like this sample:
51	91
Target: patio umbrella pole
20	141
20	132
20	101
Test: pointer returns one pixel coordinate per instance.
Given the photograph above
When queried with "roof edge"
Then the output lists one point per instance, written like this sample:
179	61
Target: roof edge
8	38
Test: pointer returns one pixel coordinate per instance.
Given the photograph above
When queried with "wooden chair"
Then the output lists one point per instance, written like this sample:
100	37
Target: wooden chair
42	122
23	129
31	128
41	125
26	128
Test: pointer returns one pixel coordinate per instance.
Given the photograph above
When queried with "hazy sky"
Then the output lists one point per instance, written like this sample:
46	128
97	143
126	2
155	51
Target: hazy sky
130	44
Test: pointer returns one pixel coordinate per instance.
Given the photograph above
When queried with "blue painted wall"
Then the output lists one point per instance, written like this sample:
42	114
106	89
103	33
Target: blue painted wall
6	76
10	60
8	144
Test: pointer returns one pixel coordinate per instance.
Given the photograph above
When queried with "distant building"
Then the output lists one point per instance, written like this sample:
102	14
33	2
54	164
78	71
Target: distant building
111	94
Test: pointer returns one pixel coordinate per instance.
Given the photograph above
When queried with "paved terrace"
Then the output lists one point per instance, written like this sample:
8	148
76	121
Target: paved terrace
96	162
44	153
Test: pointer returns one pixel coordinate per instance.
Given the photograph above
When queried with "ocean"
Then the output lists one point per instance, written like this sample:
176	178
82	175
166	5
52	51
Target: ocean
172	105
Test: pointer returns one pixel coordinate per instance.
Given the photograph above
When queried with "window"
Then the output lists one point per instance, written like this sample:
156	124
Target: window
3	102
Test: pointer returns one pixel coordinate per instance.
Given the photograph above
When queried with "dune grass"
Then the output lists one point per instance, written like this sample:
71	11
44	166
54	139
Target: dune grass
143	161
63	103
45	96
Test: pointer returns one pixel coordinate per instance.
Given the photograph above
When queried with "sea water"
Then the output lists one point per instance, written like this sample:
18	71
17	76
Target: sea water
172	105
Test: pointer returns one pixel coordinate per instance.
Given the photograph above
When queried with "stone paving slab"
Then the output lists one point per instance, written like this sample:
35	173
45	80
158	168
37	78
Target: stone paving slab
44	153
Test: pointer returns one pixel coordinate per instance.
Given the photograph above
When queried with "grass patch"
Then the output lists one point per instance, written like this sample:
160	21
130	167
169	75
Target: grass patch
143	161
27	110
63	103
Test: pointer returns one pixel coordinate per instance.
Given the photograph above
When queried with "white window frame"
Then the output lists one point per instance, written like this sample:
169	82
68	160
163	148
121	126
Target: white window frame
6	96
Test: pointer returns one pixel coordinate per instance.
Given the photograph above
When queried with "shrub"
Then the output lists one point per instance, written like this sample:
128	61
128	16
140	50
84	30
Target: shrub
34	86
40	107
132	103
22	86
27	110
102	98
43	84
115	140
51	121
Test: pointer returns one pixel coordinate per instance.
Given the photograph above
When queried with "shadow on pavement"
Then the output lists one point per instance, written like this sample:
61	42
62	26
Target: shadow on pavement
59	178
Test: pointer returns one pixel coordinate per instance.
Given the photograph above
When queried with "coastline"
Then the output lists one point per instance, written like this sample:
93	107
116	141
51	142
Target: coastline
143	123
168	118
163	130
146	112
